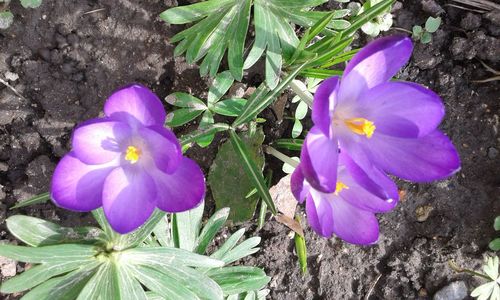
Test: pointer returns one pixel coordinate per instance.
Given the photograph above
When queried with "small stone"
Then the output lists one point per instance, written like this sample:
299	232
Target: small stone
432	7
10	76
492	153
3	167
454	291
7	267
423	212
470	21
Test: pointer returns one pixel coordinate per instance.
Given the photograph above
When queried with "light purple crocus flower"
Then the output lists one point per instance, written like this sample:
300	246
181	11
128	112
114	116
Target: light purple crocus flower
128	163
349	211
389	124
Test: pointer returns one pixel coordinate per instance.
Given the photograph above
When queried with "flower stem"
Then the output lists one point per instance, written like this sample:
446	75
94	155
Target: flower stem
457	269
402	29
303	96
284	158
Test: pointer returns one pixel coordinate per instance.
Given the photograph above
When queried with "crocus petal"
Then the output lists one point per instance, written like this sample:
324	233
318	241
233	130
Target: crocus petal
163	147
368	187
402	109
128	199
135	103
182	190
319	215
424	159
375	64
324	102
354	225
100	141
300	189
78	186
319	158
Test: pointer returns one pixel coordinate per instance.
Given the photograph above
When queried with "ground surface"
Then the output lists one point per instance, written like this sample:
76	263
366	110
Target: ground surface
69	61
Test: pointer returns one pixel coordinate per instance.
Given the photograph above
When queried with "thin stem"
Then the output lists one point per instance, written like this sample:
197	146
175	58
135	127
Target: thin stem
460	270
303	96
284	158
402	29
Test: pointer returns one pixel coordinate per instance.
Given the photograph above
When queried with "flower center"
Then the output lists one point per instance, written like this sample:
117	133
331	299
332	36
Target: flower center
339	187
361	126
132	154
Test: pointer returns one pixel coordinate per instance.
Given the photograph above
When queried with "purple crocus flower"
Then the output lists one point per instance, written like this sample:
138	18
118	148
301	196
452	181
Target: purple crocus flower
128	163
390	124
349	211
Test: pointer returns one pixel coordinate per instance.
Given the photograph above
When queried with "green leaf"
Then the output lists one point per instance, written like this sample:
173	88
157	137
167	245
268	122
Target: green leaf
287	168
496	223
245	248
66	287
417	32
49	254
227	166
432	24
207	120
37	232
194	12
154	296
262	99
6	19
182	116
185	100
99	216
230	107
289	144
171	286
41	198
495	244
367	16
426	38
173	256
129	287
301	111
103	285
31	3
297	128
187	139
319	26
214	224
221	84
300	248
229	244
186	227
235	280
39	274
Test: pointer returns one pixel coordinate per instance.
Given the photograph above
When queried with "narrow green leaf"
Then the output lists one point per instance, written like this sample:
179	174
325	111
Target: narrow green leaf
193	12
207	120
37	232
245	248
221	84
254	174
65	287
214	224
192	137
185	100
129	287
41	198
260	101
49	254
154	296
321	73
174	256
99	216
262	215
161	283
186	227
230	107
238	33
103	285
319	26
37	275
229	244
235	280
182	116
289	144
300	248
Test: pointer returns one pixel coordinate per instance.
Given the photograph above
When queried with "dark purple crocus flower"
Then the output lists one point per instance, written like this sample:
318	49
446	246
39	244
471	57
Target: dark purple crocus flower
390	124
349	211
128	163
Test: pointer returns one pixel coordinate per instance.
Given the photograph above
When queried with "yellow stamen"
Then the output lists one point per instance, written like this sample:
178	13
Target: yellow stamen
132	154
339	187
361	126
